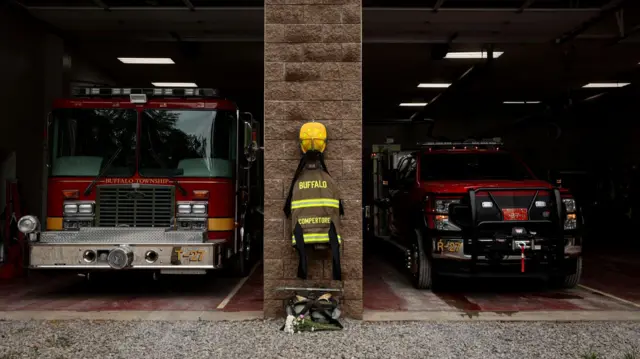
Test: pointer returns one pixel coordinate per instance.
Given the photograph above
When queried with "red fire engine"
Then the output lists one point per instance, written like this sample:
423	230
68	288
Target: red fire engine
470	208
159	179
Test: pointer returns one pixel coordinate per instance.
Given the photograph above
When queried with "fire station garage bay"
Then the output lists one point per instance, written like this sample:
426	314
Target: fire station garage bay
499	156
484	152
85	73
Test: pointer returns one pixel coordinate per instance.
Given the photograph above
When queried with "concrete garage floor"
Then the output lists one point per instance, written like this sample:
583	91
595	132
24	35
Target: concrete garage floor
609	291
133	293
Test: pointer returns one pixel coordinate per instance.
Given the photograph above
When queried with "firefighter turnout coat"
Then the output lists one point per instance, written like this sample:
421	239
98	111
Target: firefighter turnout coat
315	209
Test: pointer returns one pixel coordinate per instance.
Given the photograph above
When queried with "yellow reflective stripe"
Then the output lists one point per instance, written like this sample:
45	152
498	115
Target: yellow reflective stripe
54	223
315	205
221	224
315	202
316	238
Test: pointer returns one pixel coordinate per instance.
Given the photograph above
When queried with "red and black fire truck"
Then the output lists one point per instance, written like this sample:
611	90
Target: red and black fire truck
470	208
162	179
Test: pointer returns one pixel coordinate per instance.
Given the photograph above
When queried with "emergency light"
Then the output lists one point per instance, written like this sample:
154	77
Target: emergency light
496	143
106	92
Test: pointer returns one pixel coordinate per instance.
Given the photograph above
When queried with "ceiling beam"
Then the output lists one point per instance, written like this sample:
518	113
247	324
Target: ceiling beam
527	4
608	9
101	4
189	4
438	5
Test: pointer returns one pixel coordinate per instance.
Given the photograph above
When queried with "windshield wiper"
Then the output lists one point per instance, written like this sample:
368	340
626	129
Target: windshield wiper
103	172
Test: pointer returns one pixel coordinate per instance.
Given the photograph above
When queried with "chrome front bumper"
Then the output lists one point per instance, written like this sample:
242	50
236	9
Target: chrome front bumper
456	250
125	248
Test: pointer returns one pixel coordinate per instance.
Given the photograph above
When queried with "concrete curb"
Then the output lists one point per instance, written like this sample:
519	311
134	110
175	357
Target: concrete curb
132	315
557	316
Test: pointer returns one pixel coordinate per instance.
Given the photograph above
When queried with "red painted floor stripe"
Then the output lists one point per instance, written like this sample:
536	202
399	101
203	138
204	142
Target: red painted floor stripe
386	288
250	295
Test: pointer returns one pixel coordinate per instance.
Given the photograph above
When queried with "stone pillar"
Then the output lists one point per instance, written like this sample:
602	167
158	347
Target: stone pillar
313	71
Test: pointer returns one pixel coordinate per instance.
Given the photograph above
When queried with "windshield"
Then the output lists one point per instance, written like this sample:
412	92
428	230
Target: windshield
187	143
83	141
471	166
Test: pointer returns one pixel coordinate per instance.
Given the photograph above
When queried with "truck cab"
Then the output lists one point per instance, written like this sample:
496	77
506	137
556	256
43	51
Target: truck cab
471	208
156	179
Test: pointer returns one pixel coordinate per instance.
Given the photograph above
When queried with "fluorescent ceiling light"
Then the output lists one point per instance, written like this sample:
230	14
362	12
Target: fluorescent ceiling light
605	84
146	60
434	85
520	102
413	104
174	84
472	55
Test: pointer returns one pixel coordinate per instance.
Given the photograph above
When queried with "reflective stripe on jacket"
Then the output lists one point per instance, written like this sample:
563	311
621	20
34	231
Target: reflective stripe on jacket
315	204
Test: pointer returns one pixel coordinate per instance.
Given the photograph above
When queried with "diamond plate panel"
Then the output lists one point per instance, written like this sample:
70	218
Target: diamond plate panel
123	236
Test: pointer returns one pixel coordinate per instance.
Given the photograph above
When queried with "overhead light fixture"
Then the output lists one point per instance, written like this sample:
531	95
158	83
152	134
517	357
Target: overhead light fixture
433	85
413	104
472	55
601	85
146	60
174	84
521	102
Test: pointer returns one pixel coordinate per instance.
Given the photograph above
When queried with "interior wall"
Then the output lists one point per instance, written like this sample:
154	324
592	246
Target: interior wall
33	74
591	137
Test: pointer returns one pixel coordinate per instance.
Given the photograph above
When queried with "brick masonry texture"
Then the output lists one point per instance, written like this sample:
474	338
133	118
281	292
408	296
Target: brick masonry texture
313	72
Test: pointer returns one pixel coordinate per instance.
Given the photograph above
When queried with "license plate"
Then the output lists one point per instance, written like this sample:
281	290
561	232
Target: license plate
515	214
448	246
186	255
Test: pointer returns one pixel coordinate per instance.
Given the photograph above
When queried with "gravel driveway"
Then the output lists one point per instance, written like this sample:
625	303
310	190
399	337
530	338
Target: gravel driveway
262	339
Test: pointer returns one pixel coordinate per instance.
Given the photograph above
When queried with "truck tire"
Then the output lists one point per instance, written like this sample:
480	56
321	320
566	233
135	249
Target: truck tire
571	280
422	276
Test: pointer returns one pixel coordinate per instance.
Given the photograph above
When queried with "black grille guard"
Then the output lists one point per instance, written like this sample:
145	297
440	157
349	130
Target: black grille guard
555	221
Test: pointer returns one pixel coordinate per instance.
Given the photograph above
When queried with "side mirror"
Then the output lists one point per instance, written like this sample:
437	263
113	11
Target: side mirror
250	143
460	215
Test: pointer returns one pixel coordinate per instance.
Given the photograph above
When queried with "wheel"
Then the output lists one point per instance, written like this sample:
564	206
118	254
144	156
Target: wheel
420	265
571	280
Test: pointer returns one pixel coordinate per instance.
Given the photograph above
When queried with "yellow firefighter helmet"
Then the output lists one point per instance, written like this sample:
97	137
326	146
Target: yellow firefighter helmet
313	137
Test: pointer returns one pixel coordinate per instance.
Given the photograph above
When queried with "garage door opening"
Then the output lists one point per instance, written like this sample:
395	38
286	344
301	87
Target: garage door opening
152	111
492	159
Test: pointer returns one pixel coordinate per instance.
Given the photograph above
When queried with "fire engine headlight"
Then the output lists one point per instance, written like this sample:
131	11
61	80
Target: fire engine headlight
184	208
199	208
442	205
571	222
70	208
569	204
442	224
28	224
85	208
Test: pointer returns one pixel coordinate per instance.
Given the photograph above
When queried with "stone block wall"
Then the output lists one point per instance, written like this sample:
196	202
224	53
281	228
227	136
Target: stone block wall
313	68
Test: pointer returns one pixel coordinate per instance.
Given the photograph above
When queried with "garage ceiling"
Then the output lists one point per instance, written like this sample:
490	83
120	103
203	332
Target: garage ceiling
219	44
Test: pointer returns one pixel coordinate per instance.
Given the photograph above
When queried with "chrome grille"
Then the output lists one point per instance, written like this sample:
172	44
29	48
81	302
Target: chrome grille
123	205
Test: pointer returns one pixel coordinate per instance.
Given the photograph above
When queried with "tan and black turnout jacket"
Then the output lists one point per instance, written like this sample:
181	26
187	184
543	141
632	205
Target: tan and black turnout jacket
314	206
